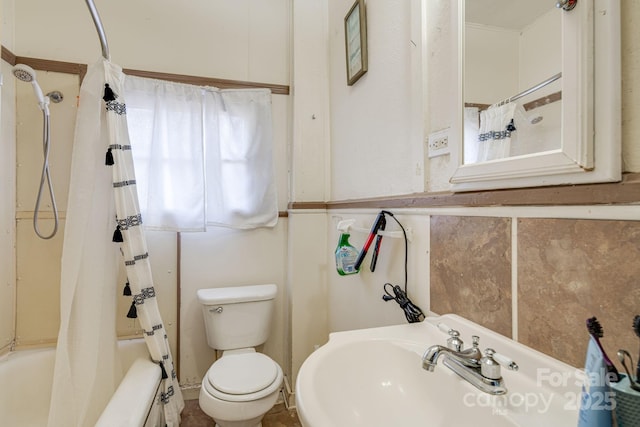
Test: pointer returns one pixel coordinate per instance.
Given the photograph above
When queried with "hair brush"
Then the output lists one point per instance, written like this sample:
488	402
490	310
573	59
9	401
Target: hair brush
636	329
595	330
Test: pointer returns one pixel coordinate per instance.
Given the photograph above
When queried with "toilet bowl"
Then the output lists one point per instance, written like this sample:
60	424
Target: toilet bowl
240	387
243	384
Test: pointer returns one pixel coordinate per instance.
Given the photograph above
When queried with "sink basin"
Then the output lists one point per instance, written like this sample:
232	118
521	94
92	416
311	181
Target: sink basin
374	377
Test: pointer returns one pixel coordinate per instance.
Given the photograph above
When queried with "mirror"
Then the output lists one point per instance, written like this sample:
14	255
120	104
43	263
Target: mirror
513	57
531	73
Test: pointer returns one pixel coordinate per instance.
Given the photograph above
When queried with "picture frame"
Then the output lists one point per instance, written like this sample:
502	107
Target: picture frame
355	37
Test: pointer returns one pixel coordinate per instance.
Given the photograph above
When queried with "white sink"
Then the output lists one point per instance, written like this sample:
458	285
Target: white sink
374	377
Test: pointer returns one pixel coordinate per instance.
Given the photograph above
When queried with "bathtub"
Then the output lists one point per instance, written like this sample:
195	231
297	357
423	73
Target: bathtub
26	377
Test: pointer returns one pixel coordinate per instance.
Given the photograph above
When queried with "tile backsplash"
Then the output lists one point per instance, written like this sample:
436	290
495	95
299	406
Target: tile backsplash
567	271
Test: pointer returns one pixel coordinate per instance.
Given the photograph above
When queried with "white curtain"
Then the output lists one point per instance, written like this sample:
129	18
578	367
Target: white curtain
130	233
241	190
165	127
86	370
102	198
524	141
494	136
203	156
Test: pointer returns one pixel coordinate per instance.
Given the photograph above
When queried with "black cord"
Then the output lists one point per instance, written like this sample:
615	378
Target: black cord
411	311
406	250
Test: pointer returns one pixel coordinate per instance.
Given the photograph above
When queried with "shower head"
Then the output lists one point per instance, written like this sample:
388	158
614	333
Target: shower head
28	74
24	73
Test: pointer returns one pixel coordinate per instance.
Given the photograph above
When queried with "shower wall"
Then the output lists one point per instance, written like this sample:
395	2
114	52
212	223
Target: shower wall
8	187
7	212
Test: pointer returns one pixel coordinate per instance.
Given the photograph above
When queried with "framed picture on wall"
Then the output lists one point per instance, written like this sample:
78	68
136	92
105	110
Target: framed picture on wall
355	38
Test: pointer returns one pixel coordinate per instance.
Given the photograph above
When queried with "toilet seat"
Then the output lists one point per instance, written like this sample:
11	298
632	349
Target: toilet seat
243	377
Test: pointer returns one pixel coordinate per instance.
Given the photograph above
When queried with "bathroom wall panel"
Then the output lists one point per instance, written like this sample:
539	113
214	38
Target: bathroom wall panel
355	301
38	284
236	40
38	261
570	270
308	274
7	210
29	136
471	269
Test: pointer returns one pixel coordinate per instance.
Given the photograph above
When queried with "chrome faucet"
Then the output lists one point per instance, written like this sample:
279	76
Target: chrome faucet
483	371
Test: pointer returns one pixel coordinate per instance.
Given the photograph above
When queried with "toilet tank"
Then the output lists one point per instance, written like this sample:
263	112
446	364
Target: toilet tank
237	317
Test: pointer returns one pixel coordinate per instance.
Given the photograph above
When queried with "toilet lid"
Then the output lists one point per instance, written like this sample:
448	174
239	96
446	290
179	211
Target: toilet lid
242	373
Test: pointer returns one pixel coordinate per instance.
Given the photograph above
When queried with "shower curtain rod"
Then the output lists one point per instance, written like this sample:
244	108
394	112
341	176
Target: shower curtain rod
99	28
532	89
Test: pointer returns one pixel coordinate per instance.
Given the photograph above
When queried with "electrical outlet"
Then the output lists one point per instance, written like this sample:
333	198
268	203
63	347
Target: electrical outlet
438	143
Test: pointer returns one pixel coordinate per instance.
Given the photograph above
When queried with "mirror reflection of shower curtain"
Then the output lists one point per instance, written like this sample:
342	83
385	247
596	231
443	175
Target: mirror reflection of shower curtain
494	136
87	370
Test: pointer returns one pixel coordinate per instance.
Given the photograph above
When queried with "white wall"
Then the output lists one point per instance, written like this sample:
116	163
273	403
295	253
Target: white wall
540	52
310	106
355	301
442	86
7	213
630	14
491	64
376	131
308	273
239	40
223	257
7	189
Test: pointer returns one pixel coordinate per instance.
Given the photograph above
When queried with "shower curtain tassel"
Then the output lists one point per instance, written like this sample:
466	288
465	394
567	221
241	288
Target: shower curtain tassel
127	290
117	235
164	372
133	312
108	93
108	160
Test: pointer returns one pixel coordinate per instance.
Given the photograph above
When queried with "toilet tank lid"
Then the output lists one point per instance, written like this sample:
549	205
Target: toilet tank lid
235	294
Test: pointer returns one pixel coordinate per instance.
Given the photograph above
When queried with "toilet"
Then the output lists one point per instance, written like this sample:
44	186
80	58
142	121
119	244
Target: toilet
242	385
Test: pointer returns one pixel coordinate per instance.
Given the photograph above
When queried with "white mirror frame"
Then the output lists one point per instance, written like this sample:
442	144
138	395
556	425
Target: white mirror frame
591	124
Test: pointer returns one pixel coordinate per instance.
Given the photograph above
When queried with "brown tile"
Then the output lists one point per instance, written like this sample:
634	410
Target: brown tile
192	415
278	416
570	270
471	269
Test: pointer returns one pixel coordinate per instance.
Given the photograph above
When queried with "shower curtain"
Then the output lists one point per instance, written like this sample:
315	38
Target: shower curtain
102	197
494	135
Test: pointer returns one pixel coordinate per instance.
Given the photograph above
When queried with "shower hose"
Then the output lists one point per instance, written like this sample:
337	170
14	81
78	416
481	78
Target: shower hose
45	177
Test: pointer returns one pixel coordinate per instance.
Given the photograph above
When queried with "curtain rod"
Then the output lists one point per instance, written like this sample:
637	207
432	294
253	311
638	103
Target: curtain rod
99	28
532	89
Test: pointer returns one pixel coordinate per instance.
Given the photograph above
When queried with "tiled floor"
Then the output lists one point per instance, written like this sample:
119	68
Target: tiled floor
279	416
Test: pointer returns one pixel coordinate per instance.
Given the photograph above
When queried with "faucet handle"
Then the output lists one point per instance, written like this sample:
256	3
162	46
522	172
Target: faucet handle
444	328
505	361
454	342
489	367
475	341
491	362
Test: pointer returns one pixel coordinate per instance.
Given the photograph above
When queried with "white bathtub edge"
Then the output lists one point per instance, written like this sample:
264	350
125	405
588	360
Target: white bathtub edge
134	396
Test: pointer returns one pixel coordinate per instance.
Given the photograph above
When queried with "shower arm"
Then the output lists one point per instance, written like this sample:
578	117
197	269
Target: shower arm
99	28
